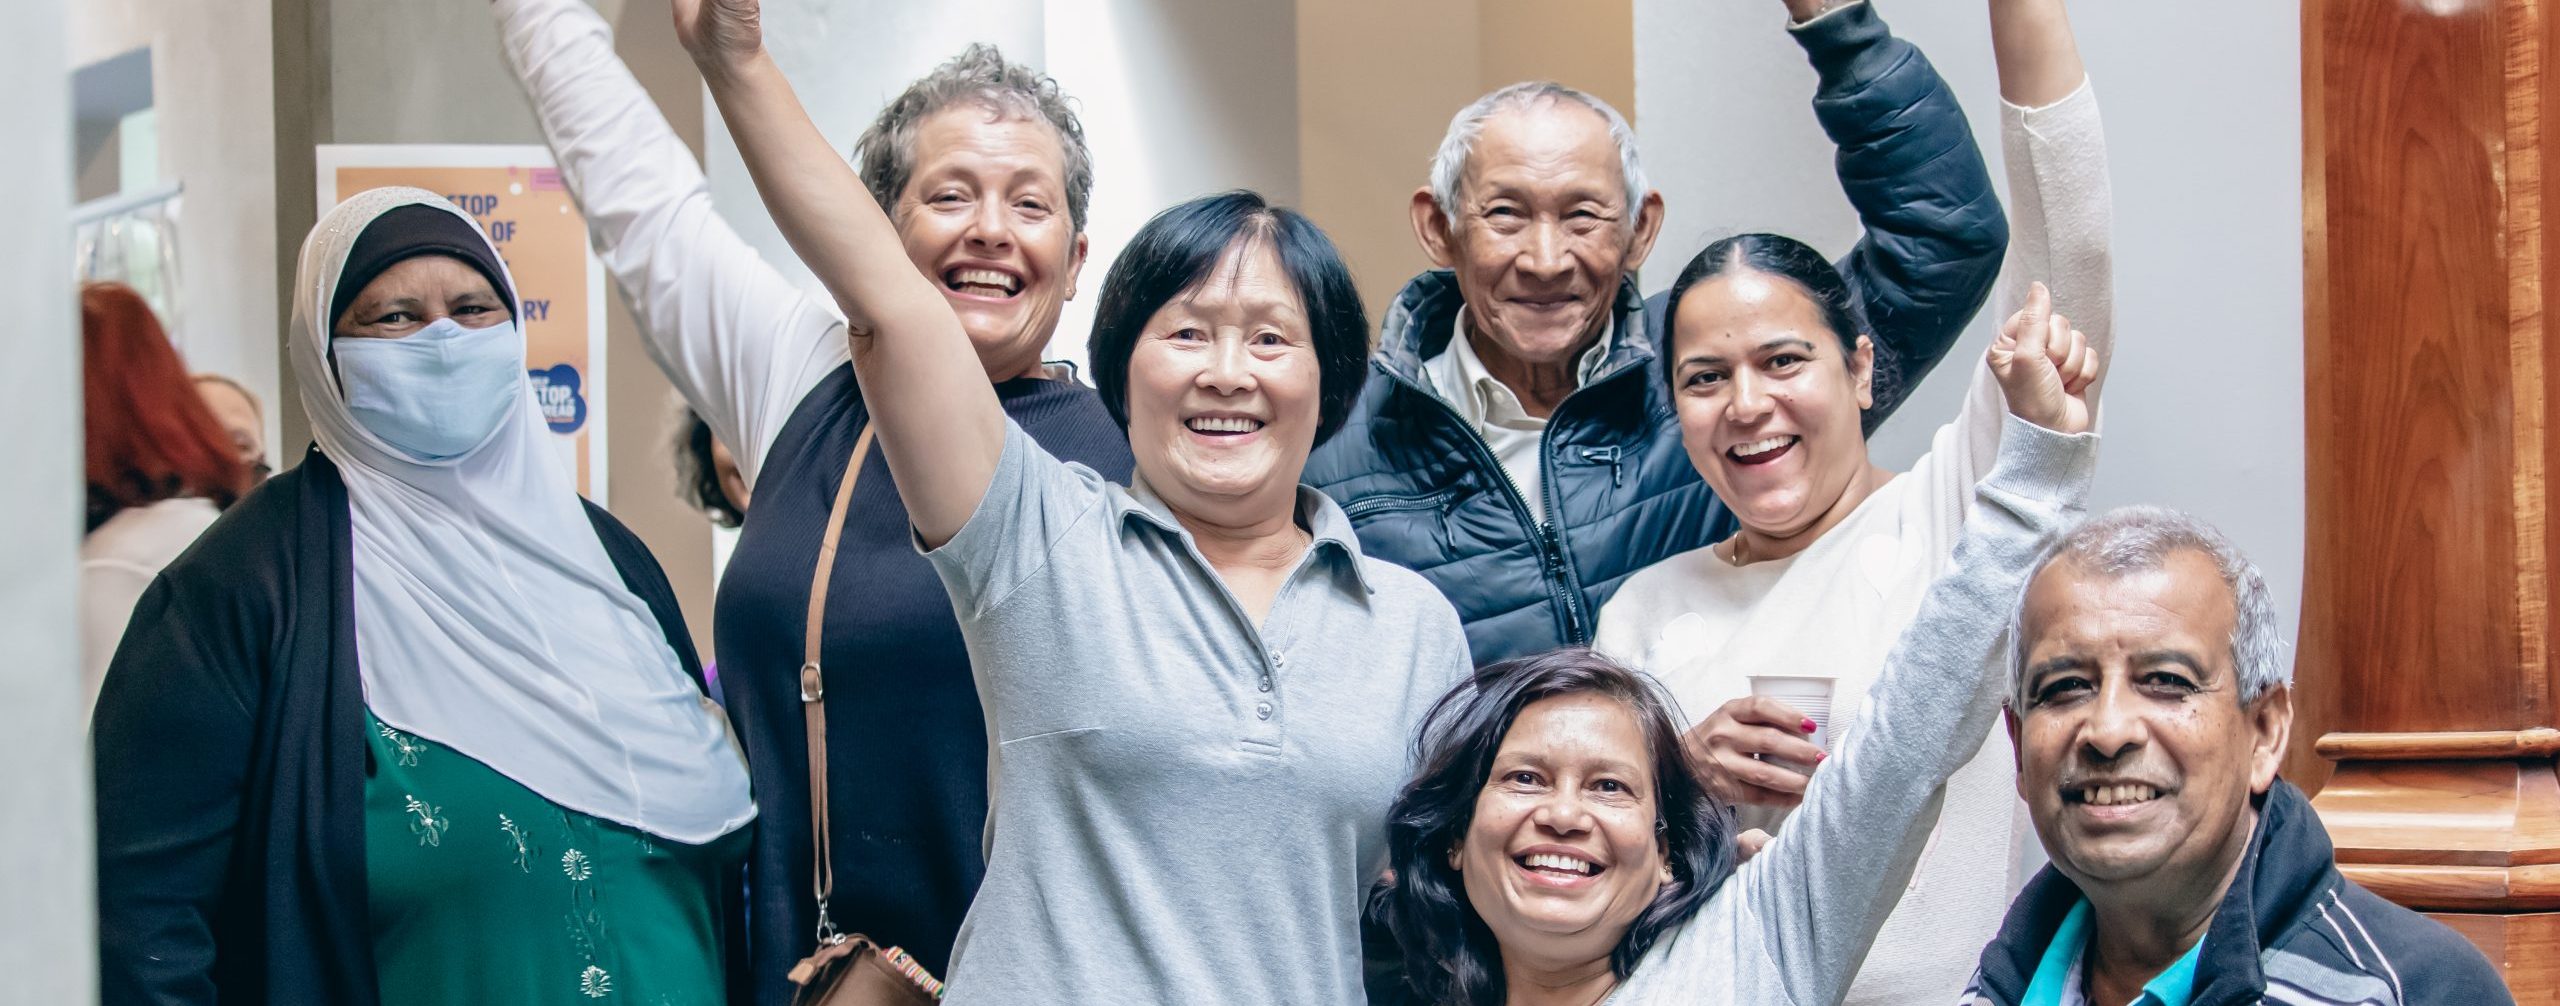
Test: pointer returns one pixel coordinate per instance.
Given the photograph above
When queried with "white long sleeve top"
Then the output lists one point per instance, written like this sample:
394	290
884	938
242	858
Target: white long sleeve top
1792	924
1705	626
741	342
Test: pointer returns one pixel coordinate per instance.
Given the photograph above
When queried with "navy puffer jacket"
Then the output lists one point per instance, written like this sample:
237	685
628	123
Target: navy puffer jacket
1426	493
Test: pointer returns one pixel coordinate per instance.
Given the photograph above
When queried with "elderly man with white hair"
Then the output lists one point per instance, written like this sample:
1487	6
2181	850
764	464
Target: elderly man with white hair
1512	444
2150	706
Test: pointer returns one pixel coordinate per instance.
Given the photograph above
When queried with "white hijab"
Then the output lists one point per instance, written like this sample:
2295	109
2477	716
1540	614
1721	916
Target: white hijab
488	617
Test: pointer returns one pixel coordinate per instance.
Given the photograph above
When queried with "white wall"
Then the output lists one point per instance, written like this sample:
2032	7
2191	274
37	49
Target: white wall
48	923
2204	411
213	94
1178	99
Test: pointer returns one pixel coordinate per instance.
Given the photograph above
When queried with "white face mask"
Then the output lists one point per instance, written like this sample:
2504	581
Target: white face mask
437	394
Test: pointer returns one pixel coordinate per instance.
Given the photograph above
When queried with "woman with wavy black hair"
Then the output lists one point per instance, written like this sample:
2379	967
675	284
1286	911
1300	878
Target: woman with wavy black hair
1556	845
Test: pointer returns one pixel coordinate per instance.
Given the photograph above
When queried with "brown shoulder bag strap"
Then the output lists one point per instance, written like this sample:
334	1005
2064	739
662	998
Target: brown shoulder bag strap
813	691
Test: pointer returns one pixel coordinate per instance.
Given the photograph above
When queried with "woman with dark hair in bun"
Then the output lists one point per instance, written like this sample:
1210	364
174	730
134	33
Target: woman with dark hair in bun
1769	376
1197	688
413	723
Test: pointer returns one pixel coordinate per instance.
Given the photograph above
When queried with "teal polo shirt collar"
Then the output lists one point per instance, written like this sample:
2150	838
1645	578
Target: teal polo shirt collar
2057	980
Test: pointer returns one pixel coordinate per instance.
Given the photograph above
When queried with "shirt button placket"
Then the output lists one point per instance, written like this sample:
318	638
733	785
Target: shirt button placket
1279	659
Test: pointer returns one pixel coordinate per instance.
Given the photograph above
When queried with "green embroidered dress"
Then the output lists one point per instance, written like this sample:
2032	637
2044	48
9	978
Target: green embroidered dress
483	893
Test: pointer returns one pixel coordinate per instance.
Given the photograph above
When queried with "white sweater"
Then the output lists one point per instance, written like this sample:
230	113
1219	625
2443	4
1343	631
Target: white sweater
1790	927
1704	626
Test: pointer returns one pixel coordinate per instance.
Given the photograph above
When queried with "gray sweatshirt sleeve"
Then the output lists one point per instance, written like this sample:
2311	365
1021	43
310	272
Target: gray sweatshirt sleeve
1800	915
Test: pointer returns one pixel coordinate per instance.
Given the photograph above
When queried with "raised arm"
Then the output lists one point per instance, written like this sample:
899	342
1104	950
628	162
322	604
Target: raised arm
2061	198
1908	162
2039	60
938	421
1821	890
737	338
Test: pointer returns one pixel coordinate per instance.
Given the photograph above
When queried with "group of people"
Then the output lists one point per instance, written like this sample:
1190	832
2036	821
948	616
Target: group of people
1280	663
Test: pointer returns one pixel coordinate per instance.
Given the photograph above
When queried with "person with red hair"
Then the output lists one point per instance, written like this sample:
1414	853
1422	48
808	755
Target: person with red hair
160	466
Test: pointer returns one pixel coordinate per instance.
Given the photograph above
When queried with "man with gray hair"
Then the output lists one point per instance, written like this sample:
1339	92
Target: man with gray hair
1513	443
2150	705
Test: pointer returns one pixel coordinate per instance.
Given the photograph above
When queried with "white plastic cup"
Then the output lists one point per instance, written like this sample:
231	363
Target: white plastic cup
1806	694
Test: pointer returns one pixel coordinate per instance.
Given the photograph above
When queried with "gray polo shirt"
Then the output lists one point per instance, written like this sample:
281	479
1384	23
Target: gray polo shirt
1188	808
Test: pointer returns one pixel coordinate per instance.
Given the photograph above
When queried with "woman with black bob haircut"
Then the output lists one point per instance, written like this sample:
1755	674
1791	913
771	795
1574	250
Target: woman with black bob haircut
1557	844
1198	691
1462	740
1180	249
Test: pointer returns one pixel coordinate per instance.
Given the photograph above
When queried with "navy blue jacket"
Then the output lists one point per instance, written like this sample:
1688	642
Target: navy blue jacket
2290	930
1426	493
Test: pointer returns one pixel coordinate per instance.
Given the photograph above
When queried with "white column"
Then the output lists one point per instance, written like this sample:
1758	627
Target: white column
1179	99
213	109
48	928
2204	410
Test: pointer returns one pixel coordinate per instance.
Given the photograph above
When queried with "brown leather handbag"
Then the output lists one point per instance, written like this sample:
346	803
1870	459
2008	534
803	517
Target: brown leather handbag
846	969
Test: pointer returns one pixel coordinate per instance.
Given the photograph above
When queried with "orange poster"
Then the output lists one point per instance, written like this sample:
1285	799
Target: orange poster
516	195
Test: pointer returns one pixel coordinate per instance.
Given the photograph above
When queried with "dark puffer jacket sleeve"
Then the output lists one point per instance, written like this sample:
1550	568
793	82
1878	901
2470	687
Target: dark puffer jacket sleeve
1907	160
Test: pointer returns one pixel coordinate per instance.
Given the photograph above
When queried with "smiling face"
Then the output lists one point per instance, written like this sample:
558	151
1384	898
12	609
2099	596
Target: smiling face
417	292
1562	854
2136	757
1543	231
1768	401
984	214
1223	390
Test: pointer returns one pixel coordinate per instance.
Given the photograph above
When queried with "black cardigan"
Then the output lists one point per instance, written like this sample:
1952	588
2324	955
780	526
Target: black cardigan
231	761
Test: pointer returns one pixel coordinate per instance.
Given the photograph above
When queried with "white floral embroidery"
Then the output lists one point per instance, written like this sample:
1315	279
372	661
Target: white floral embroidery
405	748
430	824
594	983
575	865
515	837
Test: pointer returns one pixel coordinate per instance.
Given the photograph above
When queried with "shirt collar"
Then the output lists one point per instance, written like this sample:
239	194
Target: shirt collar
2058	976
1458	375
1329	527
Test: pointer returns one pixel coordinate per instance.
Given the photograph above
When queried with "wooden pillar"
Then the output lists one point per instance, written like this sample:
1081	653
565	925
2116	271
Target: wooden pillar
2426	671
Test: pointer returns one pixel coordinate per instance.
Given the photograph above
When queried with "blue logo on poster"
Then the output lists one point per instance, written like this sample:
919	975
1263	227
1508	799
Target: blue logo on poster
556	389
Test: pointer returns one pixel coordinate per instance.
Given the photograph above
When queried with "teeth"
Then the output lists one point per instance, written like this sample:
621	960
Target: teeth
1551	861
984	277
2110	796
1225	424
1758	447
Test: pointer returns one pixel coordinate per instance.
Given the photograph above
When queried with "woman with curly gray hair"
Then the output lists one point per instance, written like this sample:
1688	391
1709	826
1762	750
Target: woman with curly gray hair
982	168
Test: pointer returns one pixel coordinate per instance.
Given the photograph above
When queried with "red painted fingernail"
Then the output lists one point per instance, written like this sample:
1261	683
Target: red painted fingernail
1808	724
1822	757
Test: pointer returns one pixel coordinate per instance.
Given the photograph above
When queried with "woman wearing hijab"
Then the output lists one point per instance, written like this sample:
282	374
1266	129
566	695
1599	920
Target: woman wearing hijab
413	724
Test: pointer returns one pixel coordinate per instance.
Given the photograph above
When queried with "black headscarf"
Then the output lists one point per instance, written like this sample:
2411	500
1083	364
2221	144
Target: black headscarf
406	233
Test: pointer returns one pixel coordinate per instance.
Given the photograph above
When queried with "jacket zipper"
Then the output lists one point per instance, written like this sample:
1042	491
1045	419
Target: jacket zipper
1561	586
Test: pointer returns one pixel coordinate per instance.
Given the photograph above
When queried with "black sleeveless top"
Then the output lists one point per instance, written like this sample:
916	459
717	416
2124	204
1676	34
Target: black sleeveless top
906	741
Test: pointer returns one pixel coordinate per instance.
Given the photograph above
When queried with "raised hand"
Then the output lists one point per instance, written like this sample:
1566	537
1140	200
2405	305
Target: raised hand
2045	366
720	34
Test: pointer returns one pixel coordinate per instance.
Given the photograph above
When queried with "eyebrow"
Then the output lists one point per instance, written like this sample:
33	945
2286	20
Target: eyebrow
1783	340
2172	655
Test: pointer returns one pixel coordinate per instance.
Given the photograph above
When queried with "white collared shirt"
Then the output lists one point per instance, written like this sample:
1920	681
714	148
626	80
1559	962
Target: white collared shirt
1490	407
